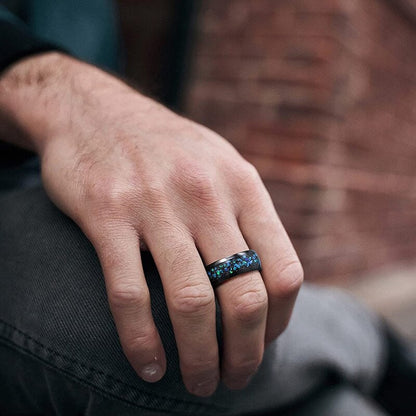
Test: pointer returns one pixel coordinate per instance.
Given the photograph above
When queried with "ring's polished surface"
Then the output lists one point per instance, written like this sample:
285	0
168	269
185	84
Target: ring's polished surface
228	267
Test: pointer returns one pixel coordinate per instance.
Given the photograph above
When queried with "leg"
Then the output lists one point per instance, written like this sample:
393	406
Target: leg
54	314
53	308
342	400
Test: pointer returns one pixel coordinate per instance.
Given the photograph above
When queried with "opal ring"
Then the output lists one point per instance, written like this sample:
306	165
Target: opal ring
228	267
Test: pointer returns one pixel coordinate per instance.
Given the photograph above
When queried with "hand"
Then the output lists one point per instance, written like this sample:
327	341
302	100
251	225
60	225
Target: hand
133	175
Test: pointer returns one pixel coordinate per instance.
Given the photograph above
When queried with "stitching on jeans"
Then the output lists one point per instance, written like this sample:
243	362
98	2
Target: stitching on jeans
94	370
81	381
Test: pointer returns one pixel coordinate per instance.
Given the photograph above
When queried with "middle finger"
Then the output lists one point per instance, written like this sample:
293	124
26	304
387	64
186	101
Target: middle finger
191	303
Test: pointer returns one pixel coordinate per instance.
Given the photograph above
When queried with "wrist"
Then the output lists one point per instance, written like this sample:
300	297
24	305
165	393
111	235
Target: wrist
22	92
40	94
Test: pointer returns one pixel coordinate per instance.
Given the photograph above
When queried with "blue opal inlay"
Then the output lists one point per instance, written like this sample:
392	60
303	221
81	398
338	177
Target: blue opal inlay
231	266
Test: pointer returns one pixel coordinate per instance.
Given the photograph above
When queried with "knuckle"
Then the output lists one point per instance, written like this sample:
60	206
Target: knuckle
195	182
193	300
105	194
289	279
251	306
116	194
248	175
103	188
251	173
248	189
128	295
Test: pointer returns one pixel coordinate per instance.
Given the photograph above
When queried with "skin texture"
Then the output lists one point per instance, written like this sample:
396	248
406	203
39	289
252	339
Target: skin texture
135	176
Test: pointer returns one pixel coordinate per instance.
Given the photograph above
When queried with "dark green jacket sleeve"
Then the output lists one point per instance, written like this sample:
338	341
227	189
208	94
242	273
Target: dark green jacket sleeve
17	41
86	29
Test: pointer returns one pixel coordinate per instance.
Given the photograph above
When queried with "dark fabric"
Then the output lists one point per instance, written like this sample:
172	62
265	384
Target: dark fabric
18	169
86	29
53	308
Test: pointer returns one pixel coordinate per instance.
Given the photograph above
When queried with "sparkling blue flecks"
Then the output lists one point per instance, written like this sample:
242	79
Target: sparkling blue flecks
236	265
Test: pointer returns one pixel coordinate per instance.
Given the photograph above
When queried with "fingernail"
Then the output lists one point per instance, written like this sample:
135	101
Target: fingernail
205	388
151	372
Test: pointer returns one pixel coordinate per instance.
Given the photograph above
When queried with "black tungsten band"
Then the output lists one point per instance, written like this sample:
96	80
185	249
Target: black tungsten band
243	262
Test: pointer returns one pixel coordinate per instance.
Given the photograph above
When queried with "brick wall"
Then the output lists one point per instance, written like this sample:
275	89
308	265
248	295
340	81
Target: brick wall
321	97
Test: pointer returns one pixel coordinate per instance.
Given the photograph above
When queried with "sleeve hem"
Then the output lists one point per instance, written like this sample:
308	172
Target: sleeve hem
17	43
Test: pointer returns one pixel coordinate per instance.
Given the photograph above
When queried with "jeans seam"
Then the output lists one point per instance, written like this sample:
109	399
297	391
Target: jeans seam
94	370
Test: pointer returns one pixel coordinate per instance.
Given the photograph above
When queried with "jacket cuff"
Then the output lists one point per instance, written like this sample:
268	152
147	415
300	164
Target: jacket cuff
17	42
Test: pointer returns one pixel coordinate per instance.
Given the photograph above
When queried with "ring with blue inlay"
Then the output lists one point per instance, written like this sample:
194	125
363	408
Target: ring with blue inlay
228	267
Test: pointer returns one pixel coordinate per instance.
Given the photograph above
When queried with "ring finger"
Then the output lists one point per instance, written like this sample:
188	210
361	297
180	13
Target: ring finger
243	302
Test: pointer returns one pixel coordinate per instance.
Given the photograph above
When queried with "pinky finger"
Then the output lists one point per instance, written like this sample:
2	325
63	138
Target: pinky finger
118	249
281	269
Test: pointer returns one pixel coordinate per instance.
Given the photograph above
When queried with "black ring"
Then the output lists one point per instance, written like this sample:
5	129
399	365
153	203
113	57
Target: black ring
228	267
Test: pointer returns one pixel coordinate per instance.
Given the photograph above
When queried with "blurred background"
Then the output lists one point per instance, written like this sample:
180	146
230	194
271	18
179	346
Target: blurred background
321	97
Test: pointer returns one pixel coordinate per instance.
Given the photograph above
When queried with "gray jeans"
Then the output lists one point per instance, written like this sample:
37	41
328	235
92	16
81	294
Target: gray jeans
60	353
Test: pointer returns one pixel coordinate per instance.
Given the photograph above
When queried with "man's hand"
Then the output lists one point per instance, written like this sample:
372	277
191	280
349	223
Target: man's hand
134	175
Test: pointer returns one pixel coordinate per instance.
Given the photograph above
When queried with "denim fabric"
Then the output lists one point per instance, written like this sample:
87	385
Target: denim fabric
53	306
